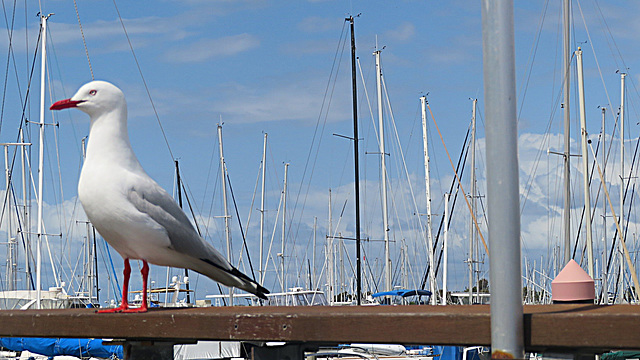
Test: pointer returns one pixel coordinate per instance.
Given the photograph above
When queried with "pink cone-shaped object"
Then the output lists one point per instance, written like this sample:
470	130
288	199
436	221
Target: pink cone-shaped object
572	284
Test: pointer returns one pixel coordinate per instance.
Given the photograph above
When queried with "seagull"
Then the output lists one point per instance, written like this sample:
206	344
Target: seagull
129	209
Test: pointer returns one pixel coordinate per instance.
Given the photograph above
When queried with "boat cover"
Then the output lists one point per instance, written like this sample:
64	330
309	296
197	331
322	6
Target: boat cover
58	347
403	293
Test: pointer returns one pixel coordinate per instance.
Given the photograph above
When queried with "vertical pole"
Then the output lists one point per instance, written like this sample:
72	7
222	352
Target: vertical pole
284	227
179	184
264	173
330	258
566	56
355	161
43	36
383	175
25	222
227	232
604	274
445	252
507	331
585	162
620	294
313	276
472	228
427	179
10	248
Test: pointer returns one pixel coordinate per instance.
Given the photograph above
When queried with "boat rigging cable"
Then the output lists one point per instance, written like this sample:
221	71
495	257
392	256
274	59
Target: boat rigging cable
473	216
462	159
84	42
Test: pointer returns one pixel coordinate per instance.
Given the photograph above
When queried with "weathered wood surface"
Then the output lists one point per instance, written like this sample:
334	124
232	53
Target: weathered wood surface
546	326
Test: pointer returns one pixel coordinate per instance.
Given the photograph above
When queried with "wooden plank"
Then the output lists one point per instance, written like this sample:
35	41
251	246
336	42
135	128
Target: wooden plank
546	326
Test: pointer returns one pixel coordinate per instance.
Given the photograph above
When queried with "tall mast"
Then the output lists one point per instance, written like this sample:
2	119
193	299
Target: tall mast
473	198
383	175
355	160
427	179
11	245
585	162
43	68
330	258
227	231
284	226
26	224
445	246
621	217
566	58
179	186
264	173
604	275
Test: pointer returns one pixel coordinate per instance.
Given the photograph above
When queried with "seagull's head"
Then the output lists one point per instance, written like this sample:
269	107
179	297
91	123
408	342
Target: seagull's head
95	98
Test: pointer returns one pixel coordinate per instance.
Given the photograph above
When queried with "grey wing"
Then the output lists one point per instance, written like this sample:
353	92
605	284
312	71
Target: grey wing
154	201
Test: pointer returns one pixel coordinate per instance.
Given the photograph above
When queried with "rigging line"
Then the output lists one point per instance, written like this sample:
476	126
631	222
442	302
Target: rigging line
462	161
84	42
10	55
475	221
244	239
325	100
634	276
594	53
532	57
135	58
404	163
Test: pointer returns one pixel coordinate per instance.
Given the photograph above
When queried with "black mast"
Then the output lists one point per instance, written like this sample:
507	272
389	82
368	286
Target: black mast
355	158
186	272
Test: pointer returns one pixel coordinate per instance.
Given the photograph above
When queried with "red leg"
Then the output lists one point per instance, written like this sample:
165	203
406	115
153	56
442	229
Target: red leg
125	291
145	274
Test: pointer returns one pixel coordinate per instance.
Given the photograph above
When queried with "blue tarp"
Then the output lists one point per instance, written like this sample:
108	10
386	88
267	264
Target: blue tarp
403	293
57	347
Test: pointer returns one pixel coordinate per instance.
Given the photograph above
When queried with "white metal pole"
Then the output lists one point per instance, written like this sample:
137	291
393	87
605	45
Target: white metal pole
566	58
445	254
383	171
472	229
427	179
227	230
620	294
43	21
284	226
585	162
507	327
264	173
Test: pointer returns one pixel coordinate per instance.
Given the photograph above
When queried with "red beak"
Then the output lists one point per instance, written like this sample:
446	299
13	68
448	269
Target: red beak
65	104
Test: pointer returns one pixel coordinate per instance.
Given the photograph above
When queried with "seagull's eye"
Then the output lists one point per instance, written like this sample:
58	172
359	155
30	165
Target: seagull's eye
93	92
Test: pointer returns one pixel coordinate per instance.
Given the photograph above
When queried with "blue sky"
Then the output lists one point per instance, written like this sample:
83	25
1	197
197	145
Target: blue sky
264	66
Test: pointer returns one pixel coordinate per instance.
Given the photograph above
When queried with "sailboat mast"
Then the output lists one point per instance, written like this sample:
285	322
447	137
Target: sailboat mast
43	36
473	198
604	275
179	186
566	56
11	246
445	254
427	179
223	182
284	226
264	173
621	217
383	175
585	163
355	160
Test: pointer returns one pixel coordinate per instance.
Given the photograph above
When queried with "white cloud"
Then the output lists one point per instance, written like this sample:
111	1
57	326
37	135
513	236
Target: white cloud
206	49
404	32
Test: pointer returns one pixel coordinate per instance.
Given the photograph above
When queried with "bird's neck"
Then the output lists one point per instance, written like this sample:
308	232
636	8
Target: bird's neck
109	140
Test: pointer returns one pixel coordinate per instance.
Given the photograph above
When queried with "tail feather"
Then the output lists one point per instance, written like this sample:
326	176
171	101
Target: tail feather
250	285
